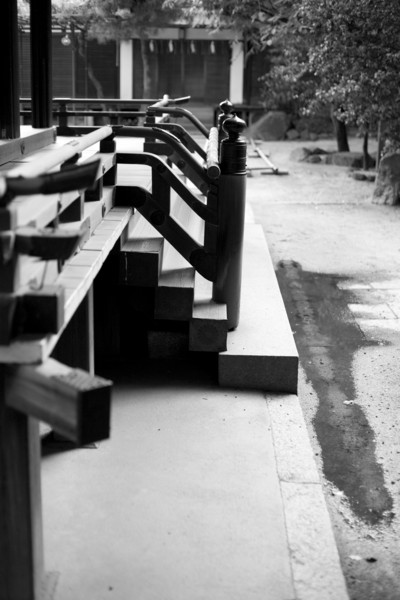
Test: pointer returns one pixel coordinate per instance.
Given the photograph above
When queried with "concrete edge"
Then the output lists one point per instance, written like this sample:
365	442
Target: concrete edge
261	352
316	569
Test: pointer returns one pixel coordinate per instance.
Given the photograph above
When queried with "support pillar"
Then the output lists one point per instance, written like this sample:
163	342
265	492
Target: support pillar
41	65
126	69
21	537
236	73
9	97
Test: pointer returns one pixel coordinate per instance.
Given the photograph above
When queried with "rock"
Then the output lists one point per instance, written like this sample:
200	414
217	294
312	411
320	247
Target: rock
304	154
387	187
358	176
270	127
346	159
317	150
363	175
292	134
313	136
300	154
314	158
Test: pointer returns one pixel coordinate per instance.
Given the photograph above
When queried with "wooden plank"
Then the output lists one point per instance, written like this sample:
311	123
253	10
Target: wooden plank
21	540
208	327
30	140
135	175
98	246
73	402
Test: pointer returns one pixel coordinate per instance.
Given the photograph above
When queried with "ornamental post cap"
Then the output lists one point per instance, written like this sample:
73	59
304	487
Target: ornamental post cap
234	126
226	106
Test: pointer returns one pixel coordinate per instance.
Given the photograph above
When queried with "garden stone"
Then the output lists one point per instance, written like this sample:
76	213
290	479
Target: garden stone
314	158
300	154
387	187
292	134
346	159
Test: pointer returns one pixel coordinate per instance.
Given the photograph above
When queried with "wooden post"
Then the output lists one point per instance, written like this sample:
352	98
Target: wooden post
41	63
231	211
9	75
21	538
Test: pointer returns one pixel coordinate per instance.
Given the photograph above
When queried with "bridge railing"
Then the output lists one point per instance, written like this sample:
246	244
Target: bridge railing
99	111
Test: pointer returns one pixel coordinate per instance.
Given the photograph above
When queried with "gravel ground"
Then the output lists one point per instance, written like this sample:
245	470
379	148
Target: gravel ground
337	257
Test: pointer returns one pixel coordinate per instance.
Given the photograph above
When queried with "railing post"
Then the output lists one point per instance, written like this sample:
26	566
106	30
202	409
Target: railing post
231	211
226	111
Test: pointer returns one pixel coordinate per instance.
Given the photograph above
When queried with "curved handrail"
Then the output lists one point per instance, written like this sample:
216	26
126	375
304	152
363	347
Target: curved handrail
178	111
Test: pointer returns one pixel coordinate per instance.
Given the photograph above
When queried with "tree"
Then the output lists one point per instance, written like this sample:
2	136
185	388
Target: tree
327	52
348	53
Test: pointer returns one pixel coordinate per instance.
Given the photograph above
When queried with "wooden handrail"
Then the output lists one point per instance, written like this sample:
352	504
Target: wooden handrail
212	161
50	160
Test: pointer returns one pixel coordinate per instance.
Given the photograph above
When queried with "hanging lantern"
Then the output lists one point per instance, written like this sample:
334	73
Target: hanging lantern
66	40
192	47
212	47
170	46
151	46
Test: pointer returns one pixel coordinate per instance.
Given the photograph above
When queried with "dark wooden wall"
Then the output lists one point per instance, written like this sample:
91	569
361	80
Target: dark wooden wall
101	57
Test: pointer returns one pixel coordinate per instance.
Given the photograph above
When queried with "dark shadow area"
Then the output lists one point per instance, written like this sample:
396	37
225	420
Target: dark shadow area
327	338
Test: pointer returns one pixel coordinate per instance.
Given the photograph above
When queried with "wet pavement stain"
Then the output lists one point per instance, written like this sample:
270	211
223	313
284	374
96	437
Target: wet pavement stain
327	337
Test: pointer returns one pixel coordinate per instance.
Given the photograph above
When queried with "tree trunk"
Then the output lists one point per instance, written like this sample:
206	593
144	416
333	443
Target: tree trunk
366	159
81	45
147	78
340	132
341	136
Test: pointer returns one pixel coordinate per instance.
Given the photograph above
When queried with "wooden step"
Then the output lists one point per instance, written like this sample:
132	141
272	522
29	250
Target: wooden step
141	255
261	352
175	291
208	327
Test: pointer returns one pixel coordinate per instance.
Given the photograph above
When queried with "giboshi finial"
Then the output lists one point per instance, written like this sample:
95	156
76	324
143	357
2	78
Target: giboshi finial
234	126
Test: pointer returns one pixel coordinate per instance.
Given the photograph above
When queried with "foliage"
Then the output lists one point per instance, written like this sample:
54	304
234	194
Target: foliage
342	53
253	19
114	19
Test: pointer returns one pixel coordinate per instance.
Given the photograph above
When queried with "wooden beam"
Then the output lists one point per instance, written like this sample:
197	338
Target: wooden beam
21	538
75	346
73	402
8	305
49	243
29	141
40	311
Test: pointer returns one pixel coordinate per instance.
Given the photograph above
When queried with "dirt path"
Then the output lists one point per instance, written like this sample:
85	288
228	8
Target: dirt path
337	257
